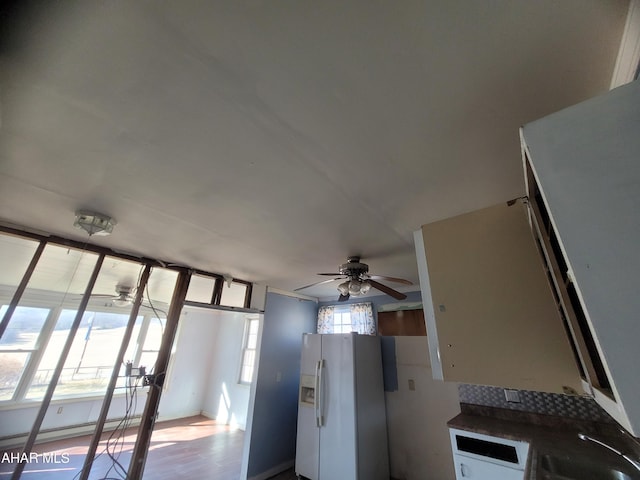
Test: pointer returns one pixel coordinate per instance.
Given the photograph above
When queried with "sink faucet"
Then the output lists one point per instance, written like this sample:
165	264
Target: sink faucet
633	462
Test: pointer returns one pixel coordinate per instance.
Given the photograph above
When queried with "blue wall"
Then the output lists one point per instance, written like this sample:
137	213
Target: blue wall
275	412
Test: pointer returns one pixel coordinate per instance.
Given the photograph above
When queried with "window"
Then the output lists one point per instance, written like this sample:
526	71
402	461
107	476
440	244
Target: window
342	320
17	346
233	294
90	361
249	344
36	328
354	317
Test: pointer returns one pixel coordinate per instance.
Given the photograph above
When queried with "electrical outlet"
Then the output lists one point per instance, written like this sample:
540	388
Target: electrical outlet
412	384
512	396
278	376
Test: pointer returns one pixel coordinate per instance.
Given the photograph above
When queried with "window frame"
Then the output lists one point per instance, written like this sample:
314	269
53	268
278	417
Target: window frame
249	319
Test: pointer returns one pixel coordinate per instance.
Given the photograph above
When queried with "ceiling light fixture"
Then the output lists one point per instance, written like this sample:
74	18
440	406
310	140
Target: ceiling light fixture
94	223
354	287
121	301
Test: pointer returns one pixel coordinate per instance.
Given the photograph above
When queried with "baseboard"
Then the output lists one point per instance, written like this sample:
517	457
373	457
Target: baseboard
17	441
54	434
210	415
273	471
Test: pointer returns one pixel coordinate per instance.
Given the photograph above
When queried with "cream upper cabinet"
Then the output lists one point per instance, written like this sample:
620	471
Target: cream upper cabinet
490	312
583	179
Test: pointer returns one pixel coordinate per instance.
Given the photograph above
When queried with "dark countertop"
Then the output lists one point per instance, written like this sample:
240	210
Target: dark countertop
551	435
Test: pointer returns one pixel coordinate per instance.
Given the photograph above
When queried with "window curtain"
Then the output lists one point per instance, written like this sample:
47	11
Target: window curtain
362	318
325	319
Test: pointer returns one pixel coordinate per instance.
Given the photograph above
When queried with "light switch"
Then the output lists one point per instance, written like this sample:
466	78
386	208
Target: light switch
412	384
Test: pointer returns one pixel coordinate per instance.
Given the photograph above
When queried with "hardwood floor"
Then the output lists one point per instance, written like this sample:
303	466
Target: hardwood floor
189	448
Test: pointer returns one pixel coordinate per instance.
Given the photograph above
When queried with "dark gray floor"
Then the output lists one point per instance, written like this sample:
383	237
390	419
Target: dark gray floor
288	475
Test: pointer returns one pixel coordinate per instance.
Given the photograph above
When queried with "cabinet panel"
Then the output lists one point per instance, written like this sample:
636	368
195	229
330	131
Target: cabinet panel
402	323
470	468
496	319
584	159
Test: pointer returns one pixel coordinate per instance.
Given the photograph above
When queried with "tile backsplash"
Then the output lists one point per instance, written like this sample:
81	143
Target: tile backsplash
568	406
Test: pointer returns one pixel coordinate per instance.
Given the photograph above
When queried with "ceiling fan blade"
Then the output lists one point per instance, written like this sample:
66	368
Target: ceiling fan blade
391	279
330	274
343	298
388	290
318	283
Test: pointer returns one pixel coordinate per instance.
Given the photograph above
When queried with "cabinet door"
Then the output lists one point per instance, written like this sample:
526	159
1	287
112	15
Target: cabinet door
585	162
471	469
492	311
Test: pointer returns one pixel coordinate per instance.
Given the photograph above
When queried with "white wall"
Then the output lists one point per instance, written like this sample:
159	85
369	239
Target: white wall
419	446
224	398
186	381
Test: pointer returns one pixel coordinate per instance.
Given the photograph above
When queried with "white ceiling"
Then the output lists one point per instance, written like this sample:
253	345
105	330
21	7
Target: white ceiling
271	139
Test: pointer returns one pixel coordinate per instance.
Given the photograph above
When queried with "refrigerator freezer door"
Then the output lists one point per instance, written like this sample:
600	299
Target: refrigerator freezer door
308	438
338	450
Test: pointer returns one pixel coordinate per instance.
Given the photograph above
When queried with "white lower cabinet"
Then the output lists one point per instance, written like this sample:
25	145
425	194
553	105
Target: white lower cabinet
470	468
482	457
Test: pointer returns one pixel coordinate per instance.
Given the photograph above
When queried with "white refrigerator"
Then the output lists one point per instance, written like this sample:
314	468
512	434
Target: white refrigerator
342	427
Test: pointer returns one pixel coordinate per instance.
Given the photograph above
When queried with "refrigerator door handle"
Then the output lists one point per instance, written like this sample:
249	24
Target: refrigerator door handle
319	395
316	398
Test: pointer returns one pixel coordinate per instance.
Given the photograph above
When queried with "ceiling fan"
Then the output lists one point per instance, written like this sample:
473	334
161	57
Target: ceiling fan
123	297
358	281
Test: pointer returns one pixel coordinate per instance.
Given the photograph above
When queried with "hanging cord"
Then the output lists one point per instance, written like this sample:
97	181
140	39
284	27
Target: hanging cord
114	446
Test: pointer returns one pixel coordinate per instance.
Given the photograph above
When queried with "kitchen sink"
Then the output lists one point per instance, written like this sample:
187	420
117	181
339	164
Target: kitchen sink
557	467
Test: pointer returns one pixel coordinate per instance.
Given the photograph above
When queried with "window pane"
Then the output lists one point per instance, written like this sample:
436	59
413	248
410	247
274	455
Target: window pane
91	358
11	368
252	333
233	296
154	334
60	270
15	255
24	327
248	360
152	344
200	289
253	326
62	273
130	354
148	360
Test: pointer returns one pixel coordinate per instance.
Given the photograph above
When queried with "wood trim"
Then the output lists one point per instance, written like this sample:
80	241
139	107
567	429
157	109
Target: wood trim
141	448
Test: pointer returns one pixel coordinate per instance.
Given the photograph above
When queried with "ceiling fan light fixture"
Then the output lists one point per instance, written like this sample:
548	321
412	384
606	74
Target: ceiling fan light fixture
121	302
94	223
343	288
364	287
